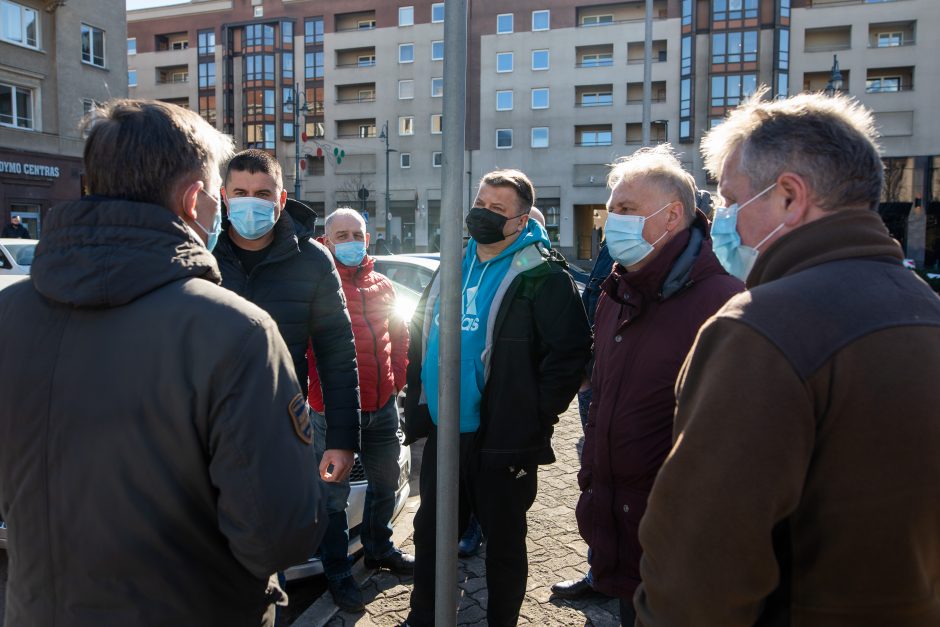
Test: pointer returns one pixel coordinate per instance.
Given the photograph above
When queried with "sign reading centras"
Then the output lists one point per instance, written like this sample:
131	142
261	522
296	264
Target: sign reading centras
29	169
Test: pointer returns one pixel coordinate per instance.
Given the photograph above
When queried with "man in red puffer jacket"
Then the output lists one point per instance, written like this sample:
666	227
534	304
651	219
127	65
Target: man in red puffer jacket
382	356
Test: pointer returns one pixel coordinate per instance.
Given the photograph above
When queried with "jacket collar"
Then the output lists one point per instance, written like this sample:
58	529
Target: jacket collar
284	245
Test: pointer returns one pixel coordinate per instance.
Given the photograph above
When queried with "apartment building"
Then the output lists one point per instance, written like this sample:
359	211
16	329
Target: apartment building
553	87
57	58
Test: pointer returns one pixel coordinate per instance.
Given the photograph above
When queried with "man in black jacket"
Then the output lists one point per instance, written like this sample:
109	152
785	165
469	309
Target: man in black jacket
15	229
524	344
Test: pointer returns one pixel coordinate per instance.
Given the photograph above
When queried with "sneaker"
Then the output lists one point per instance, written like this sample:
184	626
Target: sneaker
346	595
396	561
573	589
472	540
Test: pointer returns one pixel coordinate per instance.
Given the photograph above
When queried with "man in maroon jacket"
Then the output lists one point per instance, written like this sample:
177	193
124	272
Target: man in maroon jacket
665	283
382	357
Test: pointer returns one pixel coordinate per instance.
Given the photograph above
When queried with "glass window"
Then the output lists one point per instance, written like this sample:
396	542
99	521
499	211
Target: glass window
504	138
686	12
92	45
437	87
20	25
16	106
686	65
540	137
404	159
540	98
132	78
131	45
729	90
597	99
287	34
436	159
734	47
206	40
783	61
784	8
734	9
883	84
287	65
596	137
504	23
887	40
406	89
783	85
365	60
504	100
313	65
406	16
540	59
504	62
406	125
207	75
313	30
437	51
597	20
601	59
685	97
437	123
437	12
406	53
540	20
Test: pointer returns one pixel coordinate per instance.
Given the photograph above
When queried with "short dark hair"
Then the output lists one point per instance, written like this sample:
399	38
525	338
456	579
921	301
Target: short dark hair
252	161
517	180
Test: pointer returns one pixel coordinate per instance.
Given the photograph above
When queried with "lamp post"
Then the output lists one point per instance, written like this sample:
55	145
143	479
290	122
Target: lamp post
295	96
835	78
388	216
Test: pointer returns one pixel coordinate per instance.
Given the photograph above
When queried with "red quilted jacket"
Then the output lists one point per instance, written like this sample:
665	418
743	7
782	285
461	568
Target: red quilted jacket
381	338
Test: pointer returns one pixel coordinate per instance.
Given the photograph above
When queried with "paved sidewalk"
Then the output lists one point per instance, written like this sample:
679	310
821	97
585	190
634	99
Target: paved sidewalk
556	552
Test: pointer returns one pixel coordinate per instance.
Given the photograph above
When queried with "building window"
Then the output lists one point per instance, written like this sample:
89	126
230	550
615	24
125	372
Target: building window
540	20
287	34
404	159
883	84
888	40
313	30
365	60
734	47
260	67
504	23
132	78
600	59
131	45
784	8
540	137
595	136
504	100
206	40
260	136
16	106
783	53
406	125
406	89
687	12
540	98
259	102
313	65
504	62
437	12
207	75
503	138
540	59
437	51
437	87
783	85
406	16
287	65
259	35
436	159
92	45
207	108
87	105
728	91
734	9
20	25
597	20
597	99
437	123
406	53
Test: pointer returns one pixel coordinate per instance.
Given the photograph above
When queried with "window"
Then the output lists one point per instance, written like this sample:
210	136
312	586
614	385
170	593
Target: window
16	106
597	99
437	124
19	25
503	138
437	51
540	98
504	23
540	20
734	9
597	20
287	65
406	16
687	12
260	67
404	159
540	137
206	39
132	78
406	53
436	159
406	89
365	24
406	125
437	87
313	65
728	91
287	35
734	47
87	105
260	136
595	137
313	30
92	45
883	84
259	35
366	95
504	100
365	60
685	67
504	62
888	40
437	12
540	59
783	56
131	45
367	130
600	59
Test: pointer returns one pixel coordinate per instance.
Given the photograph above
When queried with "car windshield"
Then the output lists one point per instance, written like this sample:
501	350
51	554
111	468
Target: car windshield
406	301
22	253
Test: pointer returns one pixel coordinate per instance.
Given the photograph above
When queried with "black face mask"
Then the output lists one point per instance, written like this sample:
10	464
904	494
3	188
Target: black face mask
485	226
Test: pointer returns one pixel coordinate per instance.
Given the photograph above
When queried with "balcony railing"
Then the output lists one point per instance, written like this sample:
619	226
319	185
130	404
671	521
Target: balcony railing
356	64
355	100
594	143
820	4
370	134
904	42
828	47
350	29
170	81
888	89
604	63
631	101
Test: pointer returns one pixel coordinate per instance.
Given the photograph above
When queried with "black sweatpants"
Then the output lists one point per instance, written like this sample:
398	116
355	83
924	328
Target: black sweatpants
500	499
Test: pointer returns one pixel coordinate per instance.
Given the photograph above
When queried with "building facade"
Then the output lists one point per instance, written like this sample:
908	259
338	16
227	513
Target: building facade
554	87
57	58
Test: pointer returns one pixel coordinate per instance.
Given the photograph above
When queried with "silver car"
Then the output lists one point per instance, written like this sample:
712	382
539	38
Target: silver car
16	255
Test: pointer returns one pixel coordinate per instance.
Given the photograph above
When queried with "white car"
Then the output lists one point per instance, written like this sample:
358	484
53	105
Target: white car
16	255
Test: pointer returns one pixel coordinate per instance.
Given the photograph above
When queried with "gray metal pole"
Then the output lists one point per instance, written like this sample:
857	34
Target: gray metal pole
388	217
648	73
448	429
296	141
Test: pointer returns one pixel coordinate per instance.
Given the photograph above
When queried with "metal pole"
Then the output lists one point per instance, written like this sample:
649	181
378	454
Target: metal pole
296	141
388	216
448	430
648	73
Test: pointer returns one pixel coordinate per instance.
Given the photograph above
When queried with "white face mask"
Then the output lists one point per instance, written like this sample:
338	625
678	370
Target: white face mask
624	235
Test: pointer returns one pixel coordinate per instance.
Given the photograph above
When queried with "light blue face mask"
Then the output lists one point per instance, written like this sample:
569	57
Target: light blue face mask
252	217
624	235
213	232
351	253
736	258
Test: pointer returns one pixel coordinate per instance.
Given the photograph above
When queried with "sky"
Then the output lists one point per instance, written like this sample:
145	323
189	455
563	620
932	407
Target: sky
146	4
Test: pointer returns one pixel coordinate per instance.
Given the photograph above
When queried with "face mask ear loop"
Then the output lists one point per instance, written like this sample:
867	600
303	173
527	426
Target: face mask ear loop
769	235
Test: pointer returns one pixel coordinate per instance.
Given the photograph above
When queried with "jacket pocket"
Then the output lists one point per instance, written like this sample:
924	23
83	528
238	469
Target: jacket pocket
584	512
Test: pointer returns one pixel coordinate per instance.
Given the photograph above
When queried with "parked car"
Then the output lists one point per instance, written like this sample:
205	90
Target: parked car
16	255
412	271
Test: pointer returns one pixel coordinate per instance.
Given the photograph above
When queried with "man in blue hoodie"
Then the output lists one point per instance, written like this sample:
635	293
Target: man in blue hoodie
524	343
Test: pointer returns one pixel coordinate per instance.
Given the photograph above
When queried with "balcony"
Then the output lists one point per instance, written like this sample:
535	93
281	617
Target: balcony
171	41
619	13
592	136
658	132
636	52
356	21
594	56
363	128
828	39
889	80
821	4
594	95
817	81
892	34
355	94
635	92
355	57
172	74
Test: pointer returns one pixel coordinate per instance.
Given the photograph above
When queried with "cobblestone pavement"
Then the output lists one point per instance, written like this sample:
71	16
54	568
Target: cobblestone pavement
556	552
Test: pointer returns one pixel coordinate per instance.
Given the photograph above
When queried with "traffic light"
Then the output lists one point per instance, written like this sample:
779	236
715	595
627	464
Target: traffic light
338	155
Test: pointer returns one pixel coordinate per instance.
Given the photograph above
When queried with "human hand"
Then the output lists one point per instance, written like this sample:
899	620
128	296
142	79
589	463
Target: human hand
342	462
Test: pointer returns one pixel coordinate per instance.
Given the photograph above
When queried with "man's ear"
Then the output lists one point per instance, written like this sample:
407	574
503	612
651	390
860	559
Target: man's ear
675	214
796	196
189	199
283	198
368	238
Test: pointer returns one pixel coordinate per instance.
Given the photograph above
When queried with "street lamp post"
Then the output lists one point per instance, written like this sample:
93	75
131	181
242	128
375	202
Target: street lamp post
835	78
388	216
295	96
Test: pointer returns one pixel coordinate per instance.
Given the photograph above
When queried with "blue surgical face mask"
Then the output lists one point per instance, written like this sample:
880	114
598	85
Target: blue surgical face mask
736	258
252	217
213	232
624	235
351	253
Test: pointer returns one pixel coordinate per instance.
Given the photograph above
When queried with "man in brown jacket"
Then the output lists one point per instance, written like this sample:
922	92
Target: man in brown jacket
804	484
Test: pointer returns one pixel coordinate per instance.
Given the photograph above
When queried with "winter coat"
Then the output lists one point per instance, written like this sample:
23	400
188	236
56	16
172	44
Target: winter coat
298	285
381	337
151	472
804	484
15	231
645	324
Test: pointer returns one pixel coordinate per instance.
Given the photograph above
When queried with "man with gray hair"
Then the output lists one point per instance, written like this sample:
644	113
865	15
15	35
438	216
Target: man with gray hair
803	487
155	454
665	283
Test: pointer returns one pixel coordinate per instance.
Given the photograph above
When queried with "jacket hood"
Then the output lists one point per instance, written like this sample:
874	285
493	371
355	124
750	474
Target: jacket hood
108	252
532	234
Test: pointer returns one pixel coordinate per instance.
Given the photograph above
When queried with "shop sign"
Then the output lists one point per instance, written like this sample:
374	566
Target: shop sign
29	169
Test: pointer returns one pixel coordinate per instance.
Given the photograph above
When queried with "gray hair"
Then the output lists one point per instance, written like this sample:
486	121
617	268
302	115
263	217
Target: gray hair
659	166
831	142
343	212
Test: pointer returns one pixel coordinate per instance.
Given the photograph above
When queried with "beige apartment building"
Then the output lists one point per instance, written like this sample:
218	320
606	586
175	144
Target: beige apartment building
553	87
57	58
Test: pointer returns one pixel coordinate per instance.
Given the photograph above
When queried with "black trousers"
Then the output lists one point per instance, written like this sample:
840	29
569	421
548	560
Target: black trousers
500	499
627	613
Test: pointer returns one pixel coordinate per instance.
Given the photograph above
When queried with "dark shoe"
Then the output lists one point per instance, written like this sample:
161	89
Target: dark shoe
346	595
573	588
396	561
472	539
